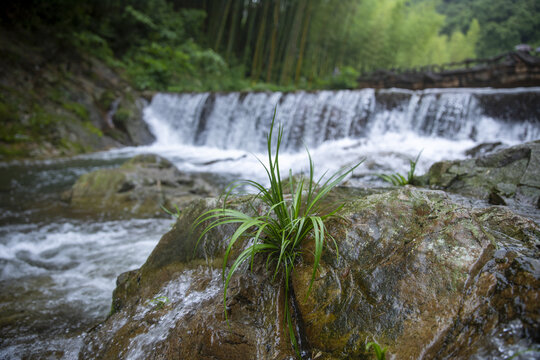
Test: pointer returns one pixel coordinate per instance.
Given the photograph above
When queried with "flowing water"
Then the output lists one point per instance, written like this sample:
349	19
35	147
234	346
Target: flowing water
58	268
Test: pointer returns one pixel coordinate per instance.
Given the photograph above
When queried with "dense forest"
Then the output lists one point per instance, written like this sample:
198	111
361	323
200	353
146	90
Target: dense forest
196	45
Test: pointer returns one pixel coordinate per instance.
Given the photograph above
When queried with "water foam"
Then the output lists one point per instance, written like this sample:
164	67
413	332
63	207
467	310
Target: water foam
61	276
220	133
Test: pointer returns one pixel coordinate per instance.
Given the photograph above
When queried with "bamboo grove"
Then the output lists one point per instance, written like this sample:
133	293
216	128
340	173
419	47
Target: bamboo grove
299	41
201	45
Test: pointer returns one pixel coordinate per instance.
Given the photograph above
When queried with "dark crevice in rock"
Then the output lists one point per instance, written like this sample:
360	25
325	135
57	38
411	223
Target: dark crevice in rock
125	187
300	327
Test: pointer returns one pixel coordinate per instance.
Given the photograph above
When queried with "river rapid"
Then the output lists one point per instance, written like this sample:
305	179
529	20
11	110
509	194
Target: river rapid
58	267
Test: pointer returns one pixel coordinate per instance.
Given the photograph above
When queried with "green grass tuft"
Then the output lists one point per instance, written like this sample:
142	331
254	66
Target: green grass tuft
398	179
158	302
380	354
288	222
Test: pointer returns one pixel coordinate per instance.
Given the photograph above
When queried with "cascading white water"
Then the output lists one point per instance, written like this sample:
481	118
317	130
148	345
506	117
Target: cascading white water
240	121
387	127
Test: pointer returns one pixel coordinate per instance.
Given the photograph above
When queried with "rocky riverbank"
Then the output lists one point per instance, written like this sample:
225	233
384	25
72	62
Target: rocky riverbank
59	101
507	176
420	271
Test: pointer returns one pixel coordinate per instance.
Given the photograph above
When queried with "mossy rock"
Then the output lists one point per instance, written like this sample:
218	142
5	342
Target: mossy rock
106	100
512	173
141	187
191	281
416	272
128	118
61	101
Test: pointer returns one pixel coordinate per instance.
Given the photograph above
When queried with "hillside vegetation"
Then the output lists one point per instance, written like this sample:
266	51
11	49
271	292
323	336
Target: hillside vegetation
186	45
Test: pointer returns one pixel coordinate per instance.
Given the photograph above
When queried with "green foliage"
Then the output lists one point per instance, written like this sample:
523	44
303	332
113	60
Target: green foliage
13	133
158	66
159	302
184	45
122	115
11	152
8	112
503	24
171	213
262	86
279	231
398	179
82	114
380	354
77	109
345	78
31	127
92	128
106	100
140	18
86	40
72	146
41	120
378	34
394	179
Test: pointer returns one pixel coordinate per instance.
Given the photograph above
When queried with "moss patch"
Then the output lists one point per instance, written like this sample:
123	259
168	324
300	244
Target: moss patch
77	109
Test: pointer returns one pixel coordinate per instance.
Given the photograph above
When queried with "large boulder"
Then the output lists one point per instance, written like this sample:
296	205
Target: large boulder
417	272
140	187
512	173
427	277
172	308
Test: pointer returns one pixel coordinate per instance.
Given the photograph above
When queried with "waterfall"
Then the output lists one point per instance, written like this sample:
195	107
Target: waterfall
241	120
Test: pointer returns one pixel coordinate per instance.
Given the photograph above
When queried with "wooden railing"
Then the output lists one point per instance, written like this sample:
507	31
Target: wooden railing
506	70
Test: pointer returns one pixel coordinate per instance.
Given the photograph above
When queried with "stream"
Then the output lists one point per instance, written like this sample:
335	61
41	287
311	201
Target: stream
58	268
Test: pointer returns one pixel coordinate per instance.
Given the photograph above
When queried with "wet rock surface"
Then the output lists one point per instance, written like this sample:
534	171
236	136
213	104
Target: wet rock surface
140	187
512	173
190	324
484	149
417	272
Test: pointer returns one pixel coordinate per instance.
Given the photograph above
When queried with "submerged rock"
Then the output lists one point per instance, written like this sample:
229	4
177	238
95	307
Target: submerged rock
416	272
512	173
139	187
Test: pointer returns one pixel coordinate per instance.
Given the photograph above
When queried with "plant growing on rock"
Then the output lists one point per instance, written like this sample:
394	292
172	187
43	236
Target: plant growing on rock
159	302
399	180
380	354
278	232
171	212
